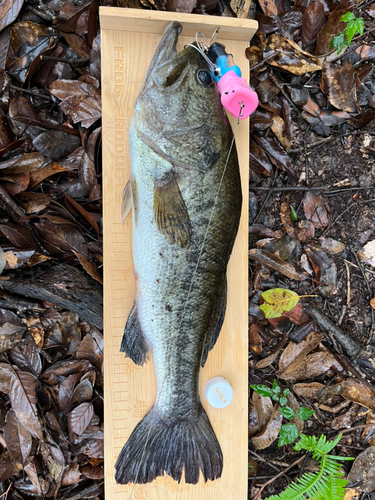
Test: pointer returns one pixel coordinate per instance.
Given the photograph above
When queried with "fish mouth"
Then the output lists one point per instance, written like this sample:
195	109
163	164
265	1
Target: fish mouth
165	51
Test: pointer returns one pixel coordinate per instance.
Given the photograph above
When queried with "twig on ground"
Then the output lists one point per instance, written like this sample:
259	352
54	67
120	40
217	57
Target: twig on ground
72	62
303	465
276	83
370	292
345	431
282	473
306	159
272	180
311	188
42	15
30	92
360	202
348	283
261	459
266	59
7	491
342	314
348	51
329	139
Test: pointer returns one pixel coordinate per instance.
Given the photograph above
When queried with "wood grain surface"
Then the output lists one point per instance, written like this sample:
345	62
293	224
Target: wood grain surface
129	38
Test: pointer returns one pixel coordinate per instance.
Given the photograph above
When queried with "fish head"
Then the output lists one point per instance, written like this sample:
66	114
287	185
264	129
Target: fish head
178	107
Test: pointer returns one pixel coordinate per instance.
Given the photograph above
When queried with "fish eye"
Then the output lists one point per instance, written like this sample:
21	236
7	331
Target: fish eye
205	78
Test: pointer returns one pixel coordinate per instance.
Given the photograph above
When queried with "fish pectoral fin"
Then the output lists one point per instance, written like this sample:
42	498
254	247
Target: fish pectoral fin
170	211
134	343
129	200
216	323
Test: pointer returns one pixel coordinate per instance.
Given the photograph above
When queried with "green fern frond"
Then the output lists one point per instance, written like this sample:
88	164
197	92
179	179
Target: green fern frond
335	488
327	483
318	448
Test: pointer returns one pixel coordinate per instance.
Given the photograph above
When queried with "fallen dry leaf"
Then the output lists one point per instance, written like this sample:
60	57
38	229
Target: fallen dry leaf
80	100
91	348
332	27
368	434
315	210
241	8
255	342
341	85
22	395
79	418
34	202
278	128
305	230
324	268
72	475
26	356
331	246
66	391
28	162
352	494
367	254
291	57
259	162
9	10
353	389
347	419
313	20
253	419
307	390
264	408
41	174
17	438
29	41
6	373
278	156
293	350
88	266
362	472
180	5
308	367
265	438
268	7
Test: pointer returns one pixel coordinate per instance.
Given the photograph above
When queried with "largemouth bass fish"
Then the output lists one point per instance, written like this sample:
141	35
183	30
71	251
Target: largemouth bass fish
185	195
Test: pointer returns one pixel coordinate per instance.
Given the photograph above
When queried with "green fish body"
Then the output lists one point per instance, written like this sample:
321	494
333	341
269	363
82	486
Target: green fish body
185	195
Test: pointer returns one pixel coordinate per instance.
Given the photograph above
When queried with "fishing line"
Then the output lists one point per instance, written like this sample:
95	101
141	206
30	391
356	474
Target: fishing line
191	284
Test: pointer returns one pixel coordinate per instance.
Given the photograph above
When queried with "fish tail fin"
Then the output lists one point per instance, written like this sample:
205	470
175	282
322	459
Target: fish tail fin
159	445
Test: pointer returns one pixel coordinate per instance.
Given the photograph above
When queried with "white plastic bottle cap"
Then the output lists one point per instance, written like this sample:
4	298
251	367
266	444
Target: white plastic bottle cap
218	392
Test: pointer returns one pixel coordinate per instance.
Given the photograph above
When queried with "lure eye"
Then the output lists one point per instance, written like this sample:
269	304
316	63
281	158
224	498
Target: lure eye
205	78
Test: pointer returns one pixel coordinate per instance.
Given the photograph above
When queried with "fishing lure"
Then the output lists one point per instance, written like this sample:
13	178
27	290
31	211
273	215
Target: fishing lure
237	96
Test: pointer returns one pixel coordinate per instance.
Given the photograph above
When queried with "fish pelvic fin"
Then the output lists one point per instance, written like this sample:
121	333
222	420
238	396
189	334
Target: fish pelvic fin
133	343
159	445
129	200
170	211
216	322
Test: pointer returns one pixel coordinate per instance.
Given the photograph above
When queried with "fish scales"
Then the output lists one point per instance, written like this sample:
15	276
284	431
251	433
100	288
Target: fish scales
183	234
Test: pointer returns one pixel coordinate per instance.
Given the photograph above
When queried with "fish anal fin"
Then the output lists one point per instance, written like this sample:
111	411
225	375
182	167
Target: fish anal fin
216	323
171	215
133	343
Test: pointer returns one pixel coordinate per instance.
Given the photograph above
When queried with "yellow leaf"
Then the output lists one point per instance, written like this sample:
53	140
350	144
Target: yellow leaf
278	300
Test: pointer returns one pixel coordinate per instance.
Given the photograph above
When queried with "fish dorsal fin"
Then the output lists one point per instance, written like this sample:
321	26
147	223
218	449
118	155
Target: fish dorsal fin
171	215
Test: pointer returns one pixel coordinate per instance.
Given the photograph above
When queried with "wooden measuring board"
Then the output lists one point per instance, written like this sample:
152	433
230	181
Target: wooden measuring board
129	38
